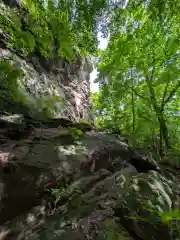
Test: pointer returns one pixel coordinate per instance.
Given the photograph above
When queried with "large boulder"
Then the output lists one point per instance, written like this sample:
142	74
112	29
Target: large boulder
59	183
144	202
121	205
50	157
84	210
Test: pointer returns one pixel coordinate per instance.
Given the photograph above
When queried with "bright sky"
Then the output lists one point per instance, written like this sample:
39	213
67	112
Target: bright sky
102	45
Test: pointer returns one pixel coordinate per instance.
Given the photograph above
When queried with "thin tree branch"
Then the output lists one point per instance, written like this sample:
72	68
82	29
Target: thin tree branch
133	105
153	70
150	87
172	93
166	88
164	96
145	98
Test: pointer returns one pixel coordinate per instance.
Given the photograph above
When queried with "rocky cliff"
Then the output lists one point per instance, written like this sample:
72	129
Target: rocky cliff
49	87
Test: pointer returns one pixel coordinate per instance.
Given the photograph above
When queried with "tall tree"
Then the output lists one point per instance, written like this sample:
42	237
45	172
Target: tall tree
143	55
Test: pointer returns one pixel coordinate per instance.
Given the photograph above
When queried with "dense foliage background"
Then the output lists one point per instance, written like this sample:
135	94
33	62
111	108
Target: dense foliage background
140	75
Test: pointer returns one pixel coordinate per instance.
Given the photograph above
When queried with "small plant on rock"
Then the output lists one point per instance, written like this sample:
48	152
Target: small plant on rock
75	133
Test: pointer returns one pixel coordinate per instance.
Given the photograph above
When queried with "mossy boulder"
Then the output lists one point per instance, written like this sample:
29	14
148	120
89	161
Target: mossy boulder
143	202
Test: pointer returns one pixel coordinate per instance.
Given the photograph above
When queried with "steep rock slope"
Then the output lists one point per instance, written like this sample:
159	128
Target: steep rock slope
61	183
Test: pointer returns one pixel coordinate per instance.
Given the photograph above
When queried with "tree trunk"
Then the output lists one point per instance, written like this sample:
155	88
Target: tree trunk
133	110
163	135
161	149
163	130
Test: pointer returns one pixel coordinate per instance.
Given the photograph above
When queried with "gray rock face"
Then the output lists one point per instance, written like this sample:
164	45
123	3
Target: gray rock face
60	93
48	87
12	3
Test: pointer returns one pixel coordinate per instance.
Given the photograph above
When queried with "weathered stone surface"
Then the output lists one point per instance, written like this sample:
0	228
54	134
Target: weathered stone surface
55	160
143	200
81	215
89	213
80	186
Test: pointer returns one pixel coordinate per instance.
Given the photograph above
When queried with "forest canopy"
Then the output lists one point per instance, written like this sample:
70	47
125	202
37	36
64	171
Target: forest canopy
33	25
139	75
